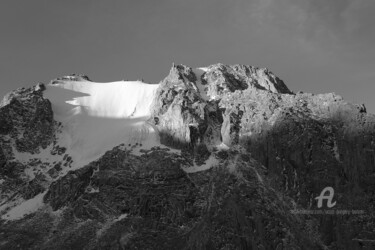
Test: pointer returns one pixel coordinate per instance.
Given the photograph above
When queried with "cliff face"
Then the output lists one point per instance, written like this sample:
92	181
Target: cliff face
239	152
309	142
26	127
27	118
306	142
123	201
192	106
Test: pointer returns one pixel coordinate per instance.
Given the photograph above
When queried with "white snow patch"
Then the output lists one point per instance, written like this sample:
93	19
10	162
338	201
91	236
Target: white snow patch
99	116
44	155
145	136
211	162
26	207
109	223
123	216
258	175
30	173
223	146
201	88
113	100
42	161
204	69
91	190
336	151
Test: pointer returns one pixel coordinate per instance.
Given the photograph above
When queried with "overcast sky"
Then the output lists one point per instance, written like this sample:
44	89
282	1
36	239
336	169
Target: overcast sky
313	45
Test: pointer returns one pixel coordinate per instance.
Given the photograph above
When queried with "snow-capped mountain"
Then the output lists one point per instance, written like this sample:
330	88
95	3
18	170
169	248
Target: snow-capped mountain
210	158
95	117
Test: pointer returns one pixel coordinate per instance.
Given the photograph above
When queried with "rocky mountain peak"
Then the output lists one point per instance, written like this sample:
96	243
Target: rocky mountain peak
221	160
27	118
243	76
189	103
71	77
23	94
220	78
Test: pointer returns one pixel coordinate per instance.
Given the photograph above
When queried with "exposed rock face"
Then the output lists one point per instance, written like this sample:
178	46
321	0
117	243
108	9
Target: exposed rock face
26	126
221	79
2	158
179	110
124	201
71	77
306	141
189	104
319	141
282	149
27	118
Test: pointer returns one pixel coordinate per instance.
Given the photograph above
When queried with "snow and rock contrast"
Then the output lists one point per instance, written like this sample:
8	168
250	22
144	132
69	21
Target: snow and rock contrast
210	158
95	117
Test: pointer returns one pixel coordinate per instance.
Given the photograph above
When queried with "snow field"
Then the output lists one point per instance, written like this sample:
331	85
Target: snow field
96	117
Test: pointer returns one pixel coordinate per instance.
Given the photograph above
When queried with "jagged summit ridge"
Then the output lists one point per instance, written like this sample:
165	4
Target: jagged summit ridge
22	94
219	77
210	158
71	77
189	102
222	103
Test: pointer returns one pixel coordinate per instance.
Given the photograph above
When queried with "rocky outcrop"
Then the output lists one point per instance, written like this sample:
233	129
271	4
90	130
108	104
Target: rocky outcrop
179	111
68	188
223	79
272	152
321	141
27	117
117	172
26	127
71	77
123	201
2	158
307	142
190	105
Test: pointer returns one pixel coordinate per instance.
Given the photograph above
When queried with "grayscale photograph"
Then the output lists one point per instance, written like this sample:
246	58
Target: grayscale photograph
187	125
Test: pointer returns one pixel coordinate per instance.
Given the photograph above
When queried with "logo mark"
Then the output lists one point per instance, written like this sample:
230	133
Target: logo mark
324	196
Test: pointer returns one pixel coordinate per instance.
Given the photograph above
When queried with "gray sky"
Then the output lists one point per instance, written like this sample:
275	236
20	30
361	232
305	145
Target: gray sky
315	46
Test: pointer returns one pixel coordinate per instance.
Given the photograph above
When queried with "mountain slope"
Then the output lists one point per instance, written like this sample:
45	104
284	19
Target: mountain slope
95	117
210	158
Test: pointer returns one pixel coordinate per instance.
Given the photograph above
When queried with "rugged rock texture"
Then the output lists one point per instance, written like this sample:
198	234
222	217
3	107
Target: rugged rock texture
321	141
274	152
71	77
26	127
124	201
2	158
221	79
189	104
306	141
179	111
27	118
